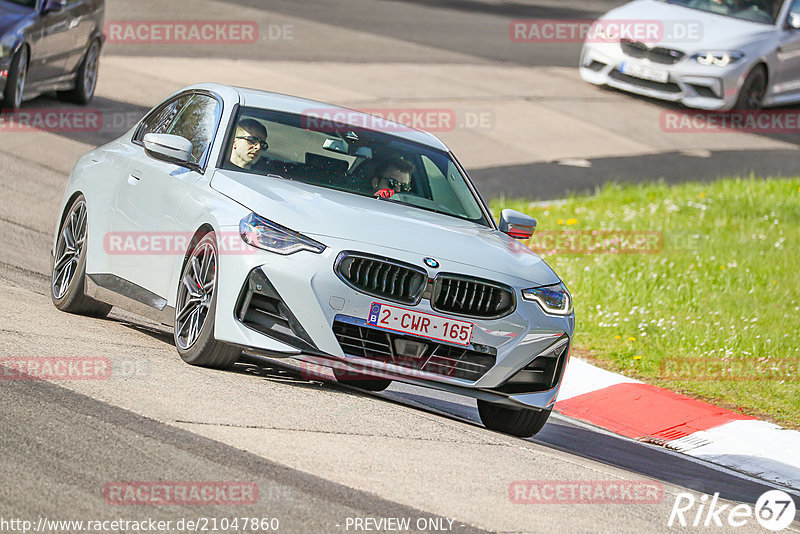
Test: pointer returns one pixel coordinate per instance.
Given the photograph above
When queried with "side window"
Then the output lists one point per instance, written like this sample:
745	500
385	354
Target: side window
197	122
159	121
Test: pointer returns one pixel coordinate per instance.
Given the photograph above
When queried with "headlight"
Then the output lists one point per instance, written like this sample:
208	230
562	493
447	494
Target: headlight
261	233
553	299
720	59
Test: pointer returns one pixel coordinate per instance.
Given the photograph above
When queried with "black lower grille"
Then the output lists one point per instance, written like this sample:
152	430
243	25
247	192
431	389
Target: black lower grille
469	296
705	91
668	87
541	374
412	352
381	277
262	309
596	66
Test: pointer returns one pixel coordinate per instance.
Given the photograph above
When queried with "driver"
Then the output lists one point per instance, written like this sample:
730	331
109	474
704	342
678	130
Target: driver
392	176
249	142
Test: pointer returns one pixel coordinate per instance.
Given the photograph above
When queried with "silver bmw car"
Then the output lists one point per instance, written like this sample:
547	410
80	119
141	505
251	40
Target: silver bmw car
706	54
294	229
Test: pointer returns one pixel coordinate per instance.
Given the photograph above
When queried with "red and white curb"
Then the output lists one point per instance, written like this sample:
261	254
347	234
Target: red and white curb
647	413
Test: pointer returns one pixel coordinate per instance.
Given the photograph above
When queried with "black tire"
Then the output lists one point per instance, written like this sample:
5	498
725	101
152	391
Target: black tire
194	312
367	384
754	88
68	272
517	422
15	84
86	81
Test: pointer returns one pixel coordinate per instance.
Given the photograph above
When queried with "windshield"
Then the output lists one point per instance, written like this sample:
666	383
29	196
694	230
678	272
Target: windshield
351	159
764	11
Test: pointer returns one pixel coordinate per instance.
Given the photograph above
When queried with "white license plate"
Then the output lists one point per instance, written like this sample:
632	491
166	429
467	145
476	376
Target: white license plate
420	324
646	73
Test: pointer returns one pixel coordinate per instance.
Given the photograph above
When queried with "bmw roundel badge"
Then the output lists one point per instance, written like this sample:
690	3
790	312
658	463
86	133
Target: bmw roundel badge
430	262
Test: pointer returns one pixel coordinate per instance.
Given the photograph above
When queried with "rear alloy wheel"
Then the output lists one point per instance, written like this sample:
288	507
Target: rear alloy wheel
195	308
15	84
355	380
86	81
69	265
515	421
751	97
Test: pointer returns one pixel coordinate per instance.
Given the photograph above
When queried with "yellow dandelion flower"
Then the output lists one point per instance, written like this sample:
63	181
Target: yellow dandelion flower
617	337
637	357
572	221
631	338
702	195
560	221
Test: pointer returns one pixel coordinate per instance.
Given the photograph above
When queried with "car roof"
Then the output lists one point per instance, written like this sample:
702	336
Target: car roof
304	106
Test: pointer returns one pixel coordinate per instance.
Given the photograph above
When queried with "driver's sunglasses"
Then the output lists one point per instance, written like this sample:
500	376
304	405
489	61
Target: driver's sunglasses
253	140
398	186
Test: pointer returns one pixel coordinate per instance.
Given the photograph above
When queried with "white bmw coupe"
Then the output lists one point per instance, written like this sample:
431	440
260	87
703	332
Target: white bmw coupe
285	227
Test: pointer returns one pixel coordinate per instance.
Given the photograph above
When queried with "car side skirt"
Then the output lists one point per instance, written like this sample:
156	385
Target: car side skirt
116	291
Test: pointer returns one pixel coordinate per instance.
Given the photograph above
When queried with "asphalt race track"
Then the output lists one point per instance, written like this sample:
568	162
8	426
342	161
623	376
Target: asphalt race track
323	457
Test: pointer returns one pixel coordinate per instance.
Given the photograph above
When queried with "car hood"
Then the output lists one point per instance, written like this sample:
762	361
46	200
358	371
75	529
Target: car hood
10	15
319	212
716	32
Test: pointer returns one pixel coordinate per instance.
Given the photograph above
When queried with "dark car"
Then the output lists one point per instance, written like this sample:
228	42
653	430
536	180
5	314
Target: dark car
49	45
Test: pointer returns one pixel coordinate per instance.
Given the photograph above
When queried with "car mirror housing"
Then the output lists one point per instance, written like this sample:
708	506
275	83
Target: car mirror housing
516	224
794	21
167	147
51	6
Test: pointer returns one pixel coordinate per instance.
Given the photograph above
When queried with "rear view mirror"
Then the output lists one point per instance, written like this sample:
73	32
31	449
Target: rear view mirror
794	21
335	145
516	224
171	148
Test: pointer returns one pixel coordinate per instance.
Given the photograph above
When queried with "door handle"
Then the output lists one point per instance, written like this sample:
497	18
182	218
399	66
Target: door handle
134	177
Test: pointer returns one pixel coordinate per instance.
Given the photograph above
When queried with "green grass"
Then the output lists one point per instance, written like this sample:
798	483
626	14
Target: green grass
715	314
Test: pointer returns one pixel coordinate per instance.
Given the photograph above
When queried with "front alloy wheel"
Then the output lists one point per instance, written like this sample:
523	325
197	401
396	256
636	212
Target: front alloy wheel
69	265
195	308
15	84
754	89
86	79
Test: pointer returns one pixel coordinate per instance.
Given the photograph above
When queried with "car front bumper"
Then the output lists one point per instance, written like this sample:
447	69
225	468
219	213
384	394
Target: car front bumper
314	302
694	85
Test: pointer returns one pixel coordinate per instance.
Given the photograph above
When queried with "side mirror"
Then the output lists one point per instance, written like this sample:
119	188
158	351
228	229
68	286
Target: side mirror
171	148
516	224
52	6
794	21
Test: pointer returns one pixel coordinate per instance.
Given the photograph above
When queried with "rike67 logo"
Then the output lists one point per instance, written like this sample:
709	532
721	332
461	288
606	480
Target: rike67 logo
774	510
